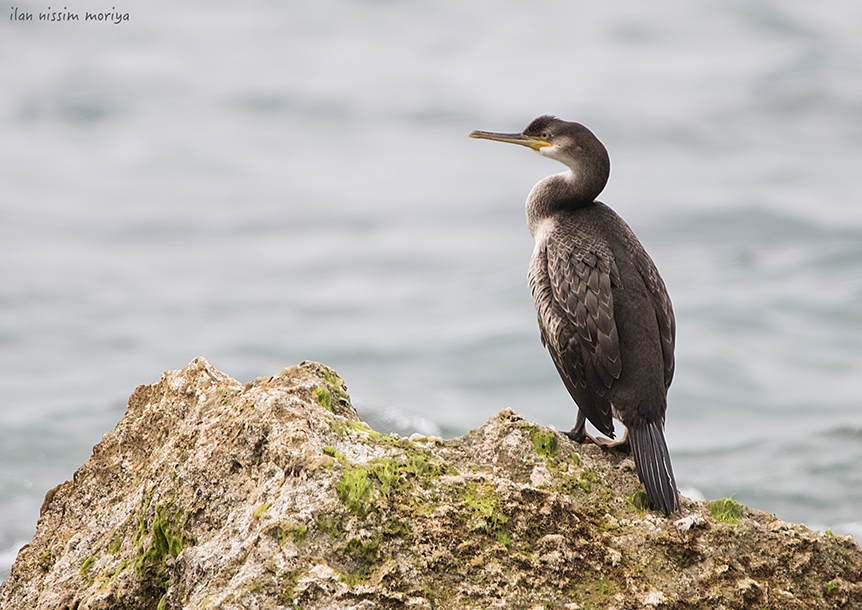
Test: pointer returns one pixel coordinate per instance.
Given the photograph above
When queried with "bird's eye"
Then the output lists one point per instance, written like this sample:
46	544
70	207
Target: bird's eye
545	135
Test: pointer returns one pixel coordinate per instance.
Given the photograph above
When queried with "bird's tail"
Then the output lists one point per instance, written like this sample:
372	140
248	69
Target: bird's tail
652	461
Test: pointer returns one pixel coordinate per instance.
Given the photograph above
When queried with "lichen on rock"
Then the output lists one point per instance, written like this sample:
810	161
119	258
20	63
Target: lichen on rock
274	494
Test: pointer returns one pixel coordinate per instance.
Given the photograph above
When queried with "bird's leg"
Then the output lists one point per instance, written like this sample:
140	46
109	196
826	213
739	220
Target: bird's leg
578	433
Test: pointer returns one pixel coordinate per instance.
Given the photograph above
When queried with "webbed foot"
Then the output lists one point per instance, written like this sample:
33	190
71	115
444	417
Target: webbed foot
579	434
620	445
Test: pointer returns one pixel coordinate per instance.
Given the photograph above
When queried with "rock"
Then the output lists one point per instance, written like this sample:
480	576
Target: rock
275	495
690	521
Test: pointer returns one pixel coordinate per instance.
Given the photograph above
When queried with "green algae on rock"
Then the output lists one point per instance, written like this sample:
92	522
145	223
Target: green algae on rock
725	510
211	493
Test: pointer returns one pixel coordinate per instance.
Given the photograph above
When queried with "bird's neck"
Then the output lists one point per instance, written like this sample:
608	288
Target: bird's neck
554	194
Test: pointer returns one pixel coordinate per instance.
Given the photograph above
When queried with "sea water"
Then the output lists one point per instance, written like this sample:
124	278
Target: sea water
268	182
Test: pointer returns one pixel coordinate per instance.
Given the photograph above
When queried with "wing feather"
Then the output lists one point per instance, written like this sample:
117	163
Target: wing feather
572	287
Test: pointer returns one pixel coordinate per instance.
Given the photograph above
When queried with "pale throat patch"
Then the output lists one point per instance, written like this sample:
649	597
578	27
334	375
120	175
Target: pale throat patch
541	229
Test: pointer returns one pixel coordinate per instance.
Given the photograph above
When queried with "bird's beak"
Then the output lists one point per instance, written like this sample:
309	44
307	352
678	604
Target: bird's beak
512	138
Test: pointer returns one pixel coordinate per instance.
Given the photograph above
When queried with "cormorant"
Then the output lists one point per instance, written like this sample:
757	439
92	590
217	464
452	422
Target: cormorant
604	312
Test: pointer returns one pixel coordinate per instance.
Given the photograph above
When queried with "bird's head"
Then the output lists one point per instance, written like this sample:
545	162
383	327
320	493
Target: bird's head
571	144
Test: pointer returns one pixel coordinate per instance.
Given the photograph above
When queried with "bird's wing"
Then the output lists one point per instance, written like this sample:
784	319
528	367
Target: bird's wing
663	310
653	283
572	290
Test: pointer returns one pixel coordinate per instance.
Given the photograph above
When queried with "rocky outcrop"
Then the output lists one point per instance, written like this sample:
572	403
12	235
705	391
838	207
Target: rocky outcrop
211	493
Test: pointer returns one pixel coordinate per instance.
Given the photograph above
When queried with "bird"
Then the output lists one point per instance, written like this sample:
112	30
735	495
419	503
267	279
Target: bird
603	310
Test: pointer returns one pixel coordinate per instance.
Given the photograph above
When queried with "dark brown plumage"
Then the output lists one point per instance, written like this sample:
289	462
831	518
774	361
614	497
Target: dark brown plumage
604	313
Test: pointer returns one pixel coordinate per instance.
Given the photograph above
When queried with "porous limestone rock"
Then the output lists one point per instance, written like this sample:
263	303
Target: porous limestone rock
274	494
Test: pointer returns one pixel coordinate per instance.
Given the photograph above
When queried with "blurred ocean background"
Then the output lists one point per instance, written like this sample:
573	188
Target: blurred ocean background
265	182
